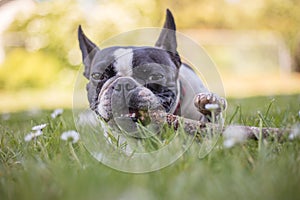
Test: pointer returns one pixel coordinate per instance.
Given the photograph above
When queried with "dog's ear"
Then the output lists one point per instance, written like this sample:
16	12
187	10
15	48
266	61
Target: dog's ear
167	38
88	51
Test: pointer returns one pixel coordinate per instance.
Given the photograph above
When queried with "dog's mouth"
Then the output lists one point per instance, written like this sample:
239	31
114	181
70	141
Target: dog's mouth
132	121
125	111
137	115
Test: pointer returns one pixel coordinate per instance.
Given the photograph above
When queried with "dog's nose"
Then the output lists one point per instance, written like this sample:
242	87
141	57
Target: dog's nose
125	85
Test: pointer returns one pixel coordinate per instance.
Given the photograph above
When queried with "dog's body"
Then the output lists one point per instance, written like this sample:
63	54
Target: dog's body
131	81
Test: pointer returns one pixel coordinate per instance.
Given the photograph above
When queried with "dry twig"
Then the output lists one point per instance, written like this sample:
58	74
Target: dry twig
197	127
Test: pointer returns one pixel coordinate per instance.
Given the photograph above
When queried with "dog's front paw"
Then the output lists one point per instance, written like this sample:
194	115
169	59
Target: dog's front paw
202	100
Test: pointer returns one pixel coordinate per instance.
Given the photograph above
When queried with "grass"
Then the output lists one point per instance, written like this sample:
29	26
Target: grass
47	169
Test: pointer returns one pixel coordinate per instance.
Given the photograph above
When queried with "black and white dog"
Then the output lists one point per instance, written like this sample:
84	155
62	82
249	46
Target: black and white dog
130	80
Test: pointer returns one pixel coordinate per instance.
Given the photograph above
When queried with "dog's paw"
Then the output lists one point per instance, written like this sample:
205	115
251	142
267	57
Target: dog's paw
202	100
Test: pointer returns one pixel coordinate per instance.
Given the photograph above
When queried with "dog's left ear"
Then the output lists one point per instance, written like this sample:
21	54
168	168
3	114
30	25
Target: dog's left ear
167	38
88	50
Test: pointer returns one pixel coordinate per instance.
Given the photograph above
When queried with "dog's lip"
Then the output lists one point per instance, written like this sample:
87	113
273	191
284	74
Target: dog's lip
135	115
131	113
107	84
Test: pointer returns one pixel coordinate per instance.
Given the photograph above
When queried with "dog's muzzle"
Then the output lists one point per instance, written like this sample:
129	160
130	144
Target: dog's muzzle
126	99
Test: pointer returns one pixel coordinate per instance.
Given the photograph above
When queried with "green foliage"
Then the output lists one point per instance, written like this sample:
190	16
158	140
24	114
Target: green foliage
45	168
282	16
51	28
23	70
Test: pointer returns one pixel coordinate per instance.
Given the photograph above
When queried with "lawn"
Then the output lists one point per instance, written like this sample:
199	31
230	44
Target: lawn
51	168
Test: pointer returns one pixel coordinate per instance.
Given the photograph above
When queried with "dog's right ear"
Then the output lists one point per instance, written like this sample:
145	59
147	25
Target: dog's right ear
88	51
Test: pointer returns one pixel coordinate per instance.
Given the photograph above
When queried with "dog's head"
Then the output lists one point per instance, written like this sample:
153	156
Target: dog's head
129	81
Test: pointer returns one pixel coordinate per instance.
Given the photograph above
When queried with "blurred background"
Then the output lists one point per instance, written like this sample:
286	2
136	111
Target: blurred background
254	43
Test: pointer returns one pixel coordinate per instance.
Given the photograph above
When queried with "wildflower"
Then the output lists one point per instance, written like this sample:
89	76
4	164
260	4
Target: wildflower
70	135
295	132
28	137
73	137
39	127
32	135
37	131
56	113
233	135
211	106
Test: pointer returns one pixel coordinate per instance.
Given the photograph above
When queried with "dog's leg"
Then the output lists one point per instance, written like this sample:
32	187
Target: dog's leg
202	101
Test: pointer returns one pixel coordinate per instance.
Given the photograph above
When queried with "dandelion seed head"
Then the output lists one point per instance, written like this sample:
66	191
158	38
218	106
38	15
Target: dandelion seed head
229	143
70	135
38	127
56	113
295	132
211	106
233	135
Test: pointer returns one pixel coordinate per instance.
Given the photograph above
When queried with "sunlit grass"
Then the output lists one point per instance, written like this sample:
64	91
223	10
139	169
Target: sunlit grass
48	167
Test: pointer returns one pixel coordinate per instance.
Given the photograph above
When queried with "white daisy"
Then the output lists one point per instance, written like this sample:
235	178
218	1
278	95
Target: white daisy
38	127
295	132
211	106
32	135
56	113
233	135
70	135
28	137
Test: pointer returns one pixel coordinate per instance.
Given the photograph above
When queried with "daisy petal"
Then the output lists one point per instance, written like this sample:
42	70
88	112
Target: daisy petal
70	135
38	127
28	137
38	133
56	113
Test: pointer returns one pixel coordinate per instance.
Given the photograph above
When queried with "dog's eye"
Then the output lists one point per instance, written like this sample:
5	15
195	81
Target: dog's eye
98	76
155	77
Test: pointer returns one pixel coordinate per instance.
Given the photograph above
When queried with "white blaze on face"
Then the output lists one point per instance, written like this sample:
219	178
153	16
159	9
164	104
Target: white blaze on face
123	61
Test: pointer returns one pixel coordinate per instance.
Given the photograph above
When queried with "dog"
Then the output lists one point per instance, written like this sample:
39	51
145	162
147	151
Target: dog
129	81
